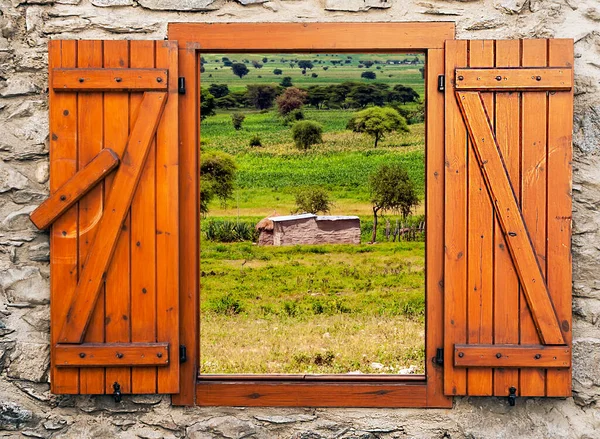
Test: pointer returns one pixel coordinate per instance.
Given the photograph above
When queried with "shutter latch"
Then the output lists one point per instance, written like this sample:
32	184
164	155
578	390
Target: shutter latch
512	396
181	85
441	82
117	392
182	353
439	357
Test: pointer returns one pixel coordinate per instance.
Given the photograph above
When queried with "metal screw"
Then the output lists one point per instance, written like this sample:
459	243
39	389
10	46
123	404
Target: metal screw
159	355
119	355
158	79
498	78
537	356
461	354
498	355
538	78
460	78
63	197
81	355
118	79
81	79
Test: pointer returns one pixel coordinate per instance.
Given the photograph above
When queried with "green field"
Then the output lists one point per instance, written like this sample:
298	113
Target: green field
310	309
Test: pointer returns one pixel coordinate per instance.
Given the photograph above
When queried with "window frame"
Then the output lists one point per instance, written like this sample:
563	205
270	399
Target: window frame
312	390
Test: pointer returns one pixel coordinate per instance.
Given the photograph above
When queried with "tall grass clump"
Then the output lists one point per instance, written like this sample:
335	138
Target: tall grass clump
229	231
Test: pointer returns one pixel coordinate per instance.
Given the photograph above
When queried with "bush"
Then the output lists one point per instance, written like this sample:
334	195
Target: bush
294	116
307	133
286	81
313	200
229	231
217	171
226	305
277	72
314	75
368	75
255	140
291	99
237	119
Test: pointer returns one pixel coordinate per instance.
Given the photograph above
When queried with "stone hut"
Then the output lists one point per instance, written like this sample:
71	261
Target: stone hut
308	228
265	231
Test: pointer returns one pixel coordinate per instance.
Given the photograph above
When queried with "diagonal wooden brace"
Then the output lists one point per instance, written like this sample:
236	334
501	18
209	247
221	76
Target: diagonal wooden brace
75	188
510	218
118	204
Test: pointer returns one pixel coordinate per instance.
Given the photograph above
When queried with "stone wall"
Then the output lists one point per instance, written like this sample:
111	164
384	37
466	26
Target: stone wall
26	406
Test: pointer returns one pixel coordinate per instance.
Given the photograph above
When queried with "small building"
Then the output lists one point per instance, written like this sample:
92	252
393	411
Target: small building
308	228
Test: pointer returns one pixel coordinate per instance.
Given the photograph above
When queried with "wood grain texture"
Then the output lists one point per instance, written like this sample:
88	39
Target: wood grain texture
74	188
516	356
63	233
510	218
119	355
290	37
109	79
516	79
119	201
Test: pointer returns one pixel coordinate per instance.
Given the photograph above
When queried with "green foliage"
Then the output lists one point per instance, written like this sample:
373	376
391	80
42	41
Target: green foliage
239	69
237	119
393	190
403	94
207	104
277	71
293	116
286	81
291	99
261	96
229	231
304	64
227	304
255	140
307	133
314	199
218	90
218	171
368	75
377	121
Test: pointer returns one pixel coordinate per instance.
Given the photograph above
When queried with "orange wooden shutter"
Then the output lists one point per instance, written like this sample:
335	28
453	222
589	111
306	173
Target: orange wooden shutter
114	241
507	280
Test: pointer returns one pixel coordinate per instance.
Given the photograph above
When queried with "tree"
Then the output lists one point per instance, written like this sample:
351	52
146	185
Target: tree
264	60
277	72
314	75
286	81
262	96
237	119
207	104
368	75
217	171
368	63
226	102
218	90
377	121
314	199
307	133
391	189
239	69
257	65
403	94
304	64
291	99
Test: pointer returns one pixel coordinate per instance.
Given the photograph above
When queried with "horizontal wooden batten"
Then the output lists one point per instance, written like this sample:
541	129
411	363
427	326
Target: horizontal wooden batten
75	188
514	79
512	356
314	394
111	355
109	79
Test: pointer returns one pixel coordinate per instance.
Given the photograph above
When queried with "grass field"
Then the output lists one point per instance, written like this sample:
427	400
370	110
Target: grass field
321	308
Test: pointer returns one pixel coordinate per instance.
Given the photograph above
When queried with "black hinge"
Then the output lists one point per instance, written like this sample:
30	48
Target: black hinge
181	85
439	357
182	353
441	82
512	396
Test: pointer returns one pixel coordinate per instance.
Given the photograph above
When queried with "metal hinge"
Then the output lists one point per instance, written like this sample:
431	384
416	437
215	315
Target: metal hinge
182	353
181	85
117	392
512	396
439	357
441	82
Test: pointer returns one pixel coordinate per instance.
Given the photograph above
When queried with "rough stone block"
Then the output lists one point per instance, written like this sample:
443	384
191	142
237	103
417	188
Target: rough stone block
25	285
29	361
182	5
356	5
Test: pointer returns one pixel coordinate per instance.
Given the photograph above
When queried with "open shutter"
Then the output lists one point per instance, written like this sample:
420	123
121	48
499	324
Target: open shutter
114	213
507	275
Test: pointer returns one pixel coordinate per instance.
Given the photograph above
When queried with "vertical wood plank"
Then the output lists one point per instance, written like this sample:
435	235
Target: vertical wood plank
90	128
63	234
167	221
506	282
434	211
118	300
560	155
455	226
143	239
480	242
533	199
189	242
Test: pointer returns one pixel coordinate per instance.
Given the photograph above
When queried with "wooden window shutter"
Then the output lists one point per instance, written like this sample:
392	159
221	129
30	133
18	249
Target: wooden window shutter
114	211
507	274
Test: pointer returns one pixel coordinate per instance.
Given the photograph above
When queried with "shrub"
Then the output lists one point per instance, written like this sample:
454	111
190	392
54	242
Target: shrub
218	90
314	75
286	81
226	305
277	72
217	170
237	119
291	99
307	133
229	231
314	199
294	116
368	75
255	140
207	104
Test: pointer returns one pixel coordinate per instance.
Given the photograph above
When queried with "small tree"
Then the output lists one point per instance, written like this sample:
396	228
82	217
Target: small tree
314	75
207	104
368	75
377	121
286	81
291	99
368	63
304	64
237	119
277	72
313	200
262	96
239	69
257	65
307	133
218	90
391	190
217	172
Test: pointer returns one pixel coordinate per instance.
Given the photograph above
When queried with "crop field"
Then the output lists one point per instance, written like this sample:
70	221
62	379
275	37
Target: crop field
310	308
